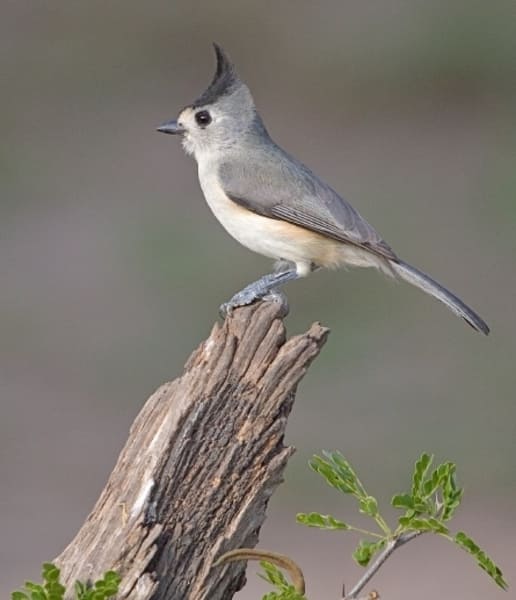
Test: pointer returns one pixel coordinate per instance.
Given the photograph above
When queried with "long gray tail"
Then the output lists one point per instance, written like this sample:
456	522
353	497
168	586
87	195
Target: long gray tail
428	285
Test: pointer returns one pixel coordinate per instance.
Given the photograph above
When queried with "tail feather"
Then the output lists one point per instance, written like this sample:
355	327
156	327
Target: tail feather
428	285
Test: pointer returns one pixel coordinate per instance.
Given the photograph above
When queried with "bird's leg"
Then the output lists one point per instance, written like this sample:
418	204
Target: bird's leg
265	288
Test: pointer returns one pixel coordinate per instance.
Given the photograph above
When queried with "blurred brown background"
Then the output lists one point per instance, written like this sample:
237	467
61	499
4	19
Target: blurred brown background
112	267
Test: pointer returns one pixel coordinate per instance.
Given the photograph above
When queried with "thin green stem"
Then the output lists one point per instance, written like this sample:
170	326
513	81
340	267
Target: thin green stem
383	525
365	532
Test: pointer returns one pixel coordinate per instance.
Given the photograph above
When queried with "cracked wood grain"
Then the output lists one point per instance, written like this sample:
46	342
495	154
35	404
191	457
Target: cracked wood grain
202	460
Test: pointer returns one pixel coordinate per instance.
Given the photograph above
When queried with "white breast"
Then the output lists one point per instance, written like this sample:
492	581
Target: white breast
260	234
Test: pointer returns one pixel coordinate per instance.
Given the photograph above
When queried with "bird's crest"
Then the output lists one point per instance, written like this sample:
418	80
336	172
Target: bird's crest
223	83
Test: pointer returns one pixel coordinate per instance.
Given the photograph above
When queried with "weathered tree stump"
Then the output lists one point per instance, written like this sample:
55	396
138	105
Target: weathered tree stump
202	460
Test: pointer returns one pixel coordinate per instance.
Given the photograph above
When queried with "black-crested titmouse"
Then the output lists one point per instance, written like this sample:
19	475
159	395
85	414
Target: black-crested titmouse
275	205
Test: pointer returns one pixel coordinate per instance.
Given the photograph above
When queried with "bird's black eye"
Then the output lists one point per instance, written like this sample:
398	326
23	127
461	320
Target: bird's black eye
203	118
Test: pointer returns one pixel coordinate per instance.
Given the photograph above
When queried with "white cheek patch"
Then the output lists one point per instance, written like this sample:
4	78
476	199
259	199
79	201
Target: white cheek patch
188	145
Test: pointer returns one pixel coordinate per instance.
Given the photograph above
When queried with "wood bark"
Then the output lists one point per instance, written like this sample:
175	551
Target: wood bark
202	460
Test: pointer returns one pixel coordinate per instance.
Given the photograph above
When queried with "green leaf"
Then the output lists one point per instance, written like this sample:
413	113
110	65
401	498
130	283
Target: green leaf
112	577
436	479
34	587
54	587
420	524
466	543
80	590
273	574
420	470
437	526
346	471
284	590
19	596
314	519
37	591
451	505
55	590
369	506
402	501
286	594
366	550
421	507
336	471
452	496
50	572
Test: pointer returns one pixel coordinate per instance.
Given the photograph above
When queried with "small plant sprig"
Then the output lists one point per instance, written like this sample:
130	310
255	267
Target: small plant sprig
428	507
283	590
270	563
52	589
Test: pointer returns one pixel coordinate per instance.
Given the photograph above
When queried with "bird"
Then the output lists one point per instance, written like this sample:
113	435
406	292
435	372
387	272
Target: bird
276	206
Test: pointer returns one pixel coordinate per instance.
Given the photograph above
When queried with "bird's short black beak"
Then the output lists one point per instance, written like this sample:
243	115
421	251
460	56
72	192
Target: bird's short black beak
171	127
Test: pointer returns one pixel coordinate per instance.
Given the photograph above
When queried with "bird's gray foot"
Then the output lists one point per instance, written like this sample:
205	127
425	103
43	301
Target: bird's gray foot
245	297
242	298
265	288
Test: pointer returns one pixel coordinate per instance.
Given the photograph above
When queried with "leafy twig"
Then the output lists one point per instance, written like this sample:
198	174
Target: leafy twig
272	575
428	507
52	589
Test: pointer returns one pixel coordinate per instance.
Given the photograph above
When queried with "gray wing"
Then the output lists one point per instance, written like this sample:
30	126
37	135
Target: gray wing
275	185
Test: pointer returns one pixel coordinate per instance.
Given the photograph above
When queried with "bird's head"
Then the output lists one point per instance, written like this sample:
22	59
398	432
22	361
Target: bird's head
220	117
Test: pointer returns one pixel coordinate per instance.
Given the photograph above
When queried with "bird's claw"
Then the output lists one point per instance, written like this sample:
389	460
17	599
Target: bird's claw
249	295
242	298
